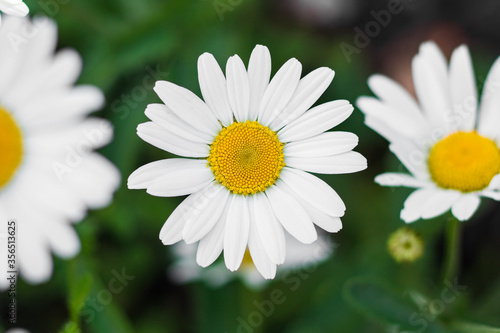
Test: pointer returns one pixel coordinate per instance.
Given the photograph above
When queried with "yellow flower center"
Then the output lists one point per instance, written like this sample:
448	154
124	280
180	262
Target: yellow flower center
464	161
247	262
246	157
11	147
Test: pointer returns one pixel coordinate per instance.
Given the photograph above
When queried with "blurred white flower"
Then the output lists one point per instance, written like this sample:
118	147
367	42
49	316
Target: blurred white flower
13	7
324	12
185	269
17	330
448	143
250	147
49	172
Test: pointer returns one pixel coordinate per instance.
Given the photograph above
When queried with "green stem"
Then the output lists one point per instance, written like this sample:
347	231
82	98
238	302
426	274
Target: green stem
452	245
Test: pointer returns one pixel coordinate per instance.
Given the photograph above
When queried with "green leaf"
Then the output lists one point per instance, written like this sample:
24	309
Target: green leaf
71	327
79	285
378	301
466	327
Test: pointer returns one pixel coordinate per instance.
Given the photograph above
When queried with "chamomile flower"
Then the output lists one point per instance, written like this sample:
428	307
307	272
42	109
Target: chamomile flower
13	7
49	173
247	152
298	256
449	144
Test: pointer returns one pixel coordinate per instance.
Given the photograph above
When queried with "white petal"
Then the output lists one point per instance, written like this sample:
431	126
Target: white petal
431	85
213	88
491	194
394	95
412	156
337	164
10	60
316	121
163	116
236	232
309	89
63	238
56	197
210	246
414	203
324	144
94	180
494	183
489	111
280	91
206	212
91	133
463	89
326	222
146	174
63	70
60	106
161	138
259	73
34	52
439	203
291	215
259	256
399	179
19	9
466	206
183	177
238	88
188	107
314	191
428	203
409	125
171	232
301	255
384	129
35	261
269	229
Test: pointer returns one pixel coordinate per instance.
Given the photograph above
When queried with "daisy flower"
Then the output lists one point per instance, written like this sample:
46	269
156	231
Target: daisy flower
448	143
298	255
13	7
247	151
49	173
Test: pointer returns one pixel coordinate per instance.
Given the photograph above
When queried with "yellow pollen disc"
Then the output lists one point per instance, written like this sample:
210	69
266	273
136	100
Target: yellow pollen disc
247	262
464	161
246	157
11	147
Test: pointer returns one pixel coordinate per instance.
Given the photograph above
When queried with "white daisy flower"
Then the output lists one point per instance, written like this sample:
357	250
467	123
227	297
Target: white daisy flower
49	173
298	256
448	143
13	7
248	147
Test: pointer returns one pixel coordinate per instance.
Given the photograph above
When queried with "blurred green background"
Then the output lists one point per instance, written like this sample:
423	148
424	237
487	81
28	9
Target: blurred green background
126	45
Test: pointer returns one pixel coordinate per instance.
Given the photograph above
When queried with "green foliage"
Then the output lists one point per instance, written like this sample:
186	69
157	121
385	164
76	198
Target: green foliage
465	327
